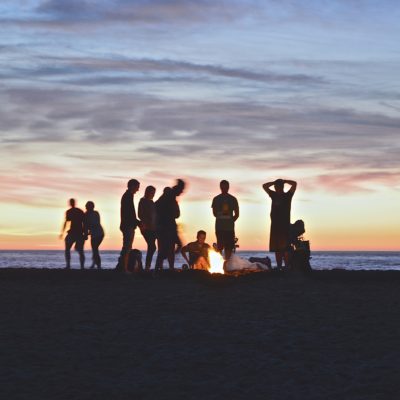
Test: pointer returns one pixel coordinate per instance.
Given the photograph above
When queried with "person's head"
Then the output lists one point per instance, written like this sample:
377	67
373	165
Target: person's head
72	202
150	192
279	184
224	186
201	236
89	206
133	185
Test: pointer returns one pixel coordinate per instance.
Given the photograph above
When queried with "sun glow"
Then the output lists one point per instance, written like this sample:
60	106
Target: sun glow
216	262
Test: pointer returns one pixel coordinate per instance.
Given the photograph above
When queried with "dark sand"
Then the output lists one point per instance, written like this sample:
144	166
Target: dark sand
94	335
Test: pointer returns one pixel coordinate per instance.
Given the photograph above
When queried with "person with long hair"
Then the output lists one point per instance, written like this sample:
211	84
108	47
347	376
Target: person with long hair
147	216
96	232
279	240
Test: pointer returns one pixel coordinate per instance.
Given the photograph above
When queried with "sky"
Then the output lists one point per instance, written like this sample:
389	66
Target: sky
96	92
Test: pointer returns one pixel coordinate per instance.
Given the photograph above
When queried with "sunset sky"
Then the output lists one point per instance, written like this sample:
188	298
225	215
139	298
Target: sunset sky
95	92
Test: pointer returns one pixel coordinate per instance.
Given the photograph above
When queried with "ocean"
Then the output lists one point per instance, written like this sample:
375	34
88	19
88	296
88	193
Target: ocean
351	260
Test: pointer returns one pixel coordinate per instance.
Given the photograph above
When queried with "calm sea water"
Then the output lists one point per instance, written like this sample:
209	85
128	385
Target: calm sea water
354	260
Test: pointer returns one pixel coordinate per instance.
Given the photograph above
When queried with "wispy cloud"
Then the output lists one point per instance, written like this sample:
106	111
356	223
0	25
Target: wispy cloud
86	71
363	182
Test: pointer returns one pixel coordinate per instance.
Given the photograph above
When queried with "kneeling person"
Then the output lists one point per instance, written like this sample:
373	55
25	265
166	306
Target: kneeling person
198	252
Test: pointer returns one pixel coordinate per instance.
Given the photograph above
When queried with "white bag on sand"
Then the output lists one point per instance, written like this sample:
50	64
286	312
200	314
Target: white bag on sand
235	263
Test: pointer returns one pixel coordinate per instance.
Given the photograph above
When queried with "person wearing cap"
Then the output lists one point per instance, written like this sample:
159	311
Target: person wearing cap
128	224
279	240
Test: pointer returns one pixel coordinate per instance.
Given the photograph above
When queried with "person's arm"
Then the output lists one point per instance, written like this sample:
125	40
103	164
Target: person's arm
177	210
184	255
63	228
214	209
293	186
86	226
236	211
267	187
143	214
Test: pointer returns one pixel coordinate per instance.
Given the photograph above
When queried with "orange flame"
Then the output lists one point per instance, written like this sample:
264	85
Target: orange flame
216	262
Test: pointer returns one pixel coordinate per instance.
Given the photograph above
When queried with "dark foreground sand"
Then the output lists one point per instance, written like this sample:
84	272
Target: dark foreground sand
72	335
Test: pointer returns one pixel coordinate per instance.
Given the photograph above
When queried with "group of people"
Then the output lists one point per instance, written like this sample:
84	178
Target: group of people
157	223
82	224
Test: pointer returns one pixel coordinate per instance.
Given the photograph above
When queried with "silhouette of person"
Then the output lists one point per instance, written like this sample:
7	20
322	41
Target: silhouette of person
167	211
77	233
96	232
147	216
226	211
198	252
279	240
128	224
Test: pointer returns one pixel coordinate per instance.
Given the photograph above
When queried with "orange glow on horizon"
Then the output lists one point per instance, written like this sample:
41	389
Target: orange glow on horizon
30	227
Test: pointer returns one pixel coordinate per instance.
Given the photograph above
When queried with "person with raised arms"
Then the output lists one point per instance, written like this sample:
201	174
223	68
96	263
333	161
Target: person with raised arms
279	240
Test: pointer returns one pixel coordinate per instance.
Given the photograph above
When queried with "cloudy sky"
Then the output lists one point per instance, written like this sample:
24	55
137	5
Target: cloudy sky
95	92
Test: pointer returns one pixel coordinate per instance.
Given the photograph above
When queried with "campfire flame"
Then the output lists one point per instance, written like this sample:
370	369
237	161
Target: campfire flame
216	262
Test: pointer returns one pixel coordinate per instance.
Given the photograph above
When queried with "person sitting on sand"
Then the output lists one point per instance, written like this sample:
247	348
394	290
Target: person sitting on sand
96	232
77	233
280	219
198	252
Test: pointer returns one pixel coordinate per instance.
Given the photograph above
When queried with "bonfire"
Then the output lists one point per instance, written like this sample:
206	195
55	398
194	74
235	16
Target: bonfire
216	262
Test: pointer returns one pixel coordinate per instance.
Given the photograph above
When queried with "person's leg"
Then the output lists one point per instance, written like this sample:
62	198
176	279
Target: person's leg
150	238
220	241
79	248
229	243
161	245
128	236
201	263
69	241
278	257
93	246
95	249
286	257
171	250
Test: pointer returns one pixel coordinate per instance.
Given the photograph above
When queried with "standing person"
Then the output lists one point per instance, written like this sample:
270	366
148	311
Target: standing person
198	252
128	224
279	240
147	216
226	211
77	233
167	211
96	232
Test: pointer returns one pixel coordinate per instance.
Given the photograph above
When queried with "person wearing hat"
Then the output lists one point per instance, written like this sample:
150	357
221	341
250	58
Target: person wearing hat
279	239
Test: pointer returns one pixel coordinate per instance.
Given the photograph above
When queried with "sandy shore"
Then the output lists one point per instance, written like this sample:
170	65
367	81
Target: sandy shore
91	335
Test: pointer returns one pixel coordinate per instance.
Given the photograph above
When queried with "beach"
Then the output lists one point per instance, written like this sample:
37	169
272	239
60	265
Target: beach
98	334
